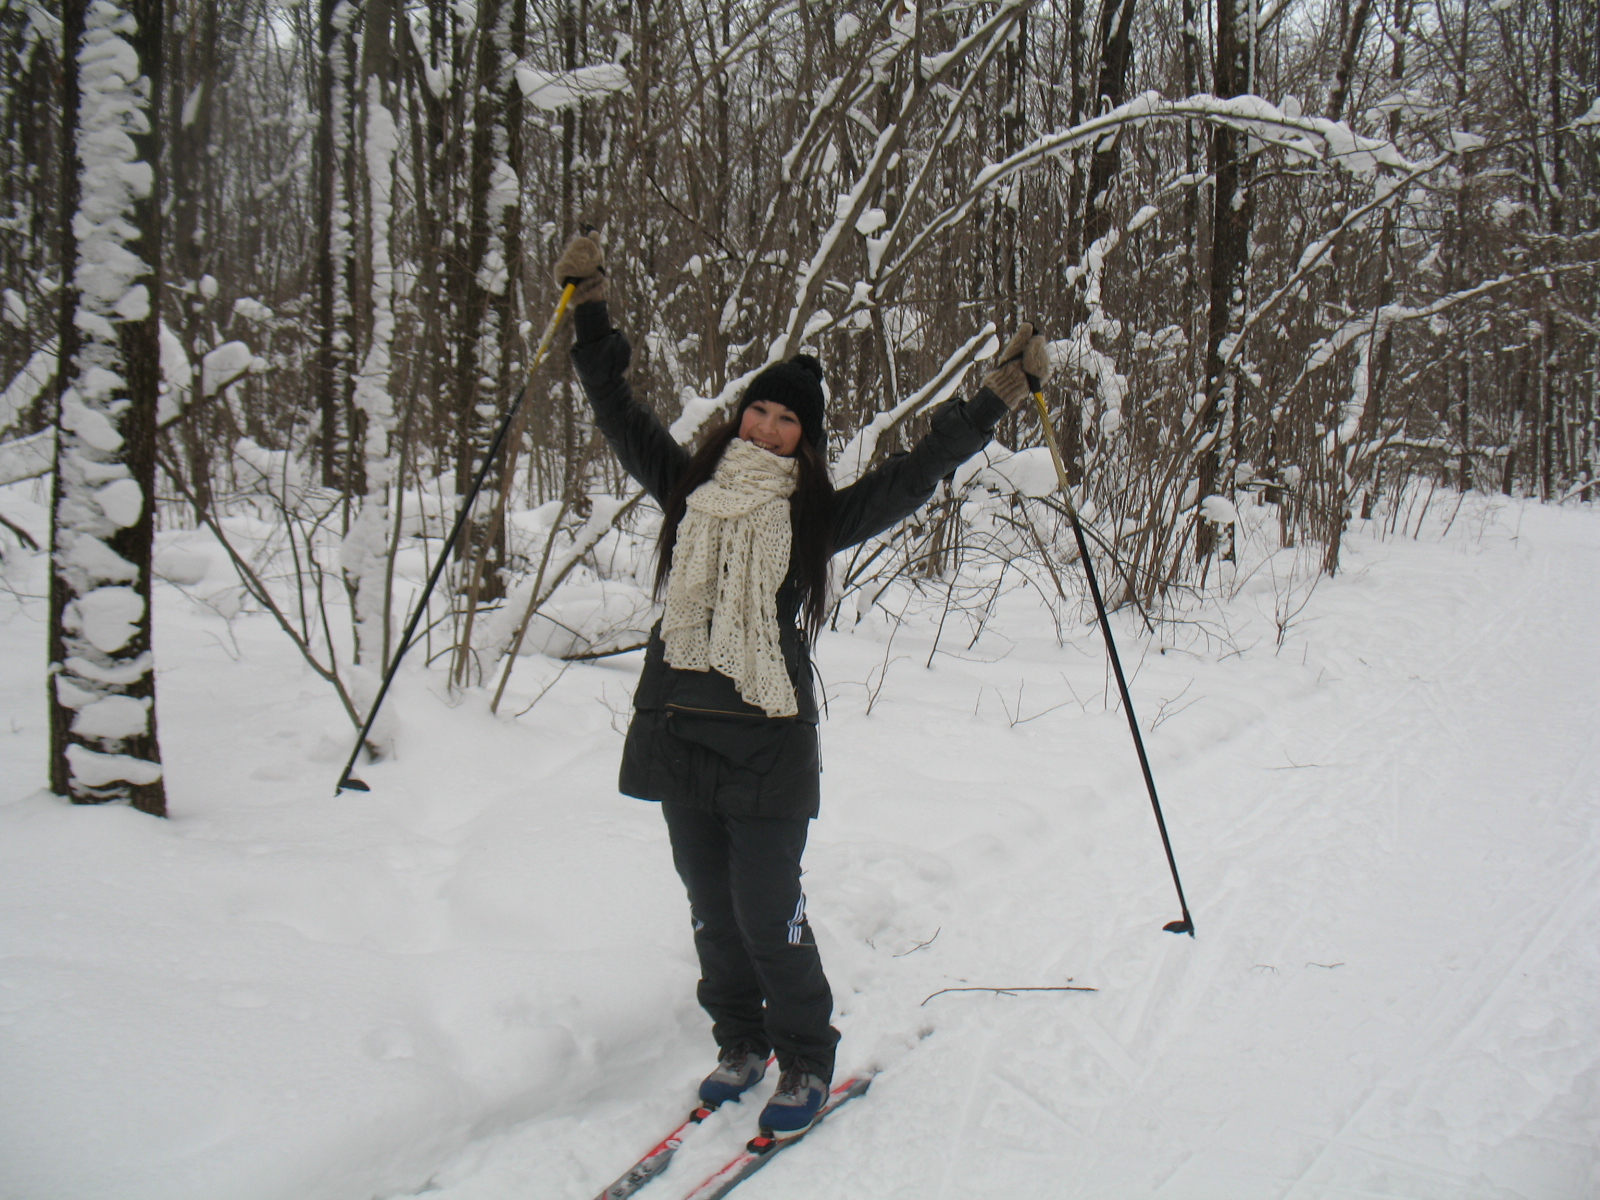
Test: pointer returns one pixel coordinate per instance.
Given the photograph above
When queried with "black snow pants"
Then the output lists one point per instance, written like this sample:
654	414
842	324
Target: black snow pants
760	975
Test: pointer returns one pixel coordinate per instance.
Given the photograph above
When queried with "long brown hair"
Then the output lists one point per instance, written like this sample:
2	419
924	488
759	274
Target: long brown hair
810	521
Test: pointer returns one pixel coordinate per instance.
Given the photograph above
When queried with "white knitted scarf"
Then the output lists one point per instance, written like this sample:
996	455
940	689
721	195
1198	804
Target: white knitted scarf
730	558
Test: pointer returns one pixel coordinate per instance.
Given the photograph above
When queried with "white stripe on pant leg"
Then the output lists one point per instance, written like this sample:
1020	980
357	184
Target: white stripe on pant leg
796	921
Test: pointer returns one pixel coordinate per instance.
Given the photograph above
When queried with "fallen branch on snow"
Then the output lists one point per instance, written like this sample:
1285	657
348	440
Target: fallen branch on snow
1009	991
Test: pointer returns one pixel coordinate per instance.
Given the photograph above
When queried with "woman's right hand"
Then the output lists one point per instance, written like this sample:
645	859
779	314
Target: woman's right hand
1021	368
583	265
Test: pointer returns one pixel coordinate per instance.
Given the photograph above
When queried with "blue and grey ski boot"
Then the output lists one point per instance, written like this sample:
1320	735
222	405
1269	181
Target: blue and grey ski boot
739	1068
793	1108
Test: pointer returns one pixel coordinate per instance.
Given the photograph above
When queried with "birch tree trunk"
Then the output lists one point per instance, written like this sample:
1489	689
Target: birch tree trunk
103	743
365	554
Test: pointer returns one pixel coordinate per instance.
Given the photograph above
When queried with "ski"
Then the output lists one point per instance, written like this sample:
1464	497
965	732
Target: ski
759	1151
655	1162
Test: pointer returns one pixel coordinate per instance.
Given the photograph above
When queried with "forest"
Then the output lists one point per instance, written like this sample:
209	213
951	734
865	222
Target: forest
279	270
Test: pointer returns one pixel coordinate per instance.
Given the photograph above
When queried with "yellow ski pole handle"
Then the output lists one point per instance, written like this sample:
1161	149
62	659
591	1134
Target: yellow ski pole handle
551	327
1055	455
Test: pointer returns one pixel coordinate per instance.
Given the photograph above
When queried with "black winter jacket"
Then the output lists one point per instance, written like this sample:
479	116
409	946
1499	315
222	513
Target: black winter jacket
693	738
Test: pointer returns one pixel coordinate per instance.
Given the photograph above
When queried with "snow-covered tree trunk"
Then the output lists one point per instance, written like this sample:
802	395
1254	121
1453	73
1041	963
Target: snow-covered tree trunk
491	189
1233	213
365	555
191	188
102	694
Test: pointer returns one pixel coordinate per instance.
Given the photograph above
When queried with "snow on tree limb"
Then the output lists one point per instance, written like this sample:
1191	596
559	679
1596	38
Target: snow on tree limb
1317	253
27	385
33	456
1315	138
1371	325
849	206
555	90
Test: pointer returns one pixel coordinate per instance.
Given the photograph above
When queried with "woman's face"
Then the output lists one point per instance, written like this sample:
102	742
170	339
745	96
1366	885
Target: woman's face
772	426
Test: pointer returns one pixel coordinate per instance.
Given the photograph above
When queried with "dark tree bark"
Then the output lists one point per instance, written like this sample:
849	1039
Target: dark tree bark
1347	60
1116	57
1232	216
103	720
326	372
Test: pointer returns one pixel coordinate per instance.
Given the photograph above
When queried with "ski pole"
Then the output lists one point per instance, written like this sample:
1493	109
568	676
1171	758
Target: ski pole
346	780
1186	924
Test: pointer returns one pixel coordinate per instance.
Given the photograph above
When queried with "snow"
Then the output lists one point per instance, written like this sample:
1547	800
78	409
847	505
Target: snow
476	982
252	309
1030	472
871	221
112	717
16	309
122	501
180	566
93	769
222	365
107	616
176	369
1143	217
91	425
28	383
555	90
1219	509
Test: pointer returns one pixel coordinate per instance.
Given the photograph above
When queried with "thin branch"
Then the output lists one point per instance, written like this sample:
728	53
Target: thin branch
1008	991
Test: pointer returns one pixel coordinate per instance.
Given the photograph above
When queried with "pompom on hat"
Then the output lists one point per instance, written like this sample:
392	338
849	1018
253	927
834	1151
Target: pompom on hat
797	385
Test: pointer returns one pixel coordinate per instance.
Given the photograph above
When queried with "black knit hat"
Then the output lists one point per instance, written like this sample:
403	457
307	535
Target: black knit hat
797	385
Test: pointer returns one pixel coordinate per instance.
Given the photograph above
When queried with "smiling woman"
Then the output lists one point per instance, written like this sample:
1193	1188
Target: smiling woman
772	426
724	731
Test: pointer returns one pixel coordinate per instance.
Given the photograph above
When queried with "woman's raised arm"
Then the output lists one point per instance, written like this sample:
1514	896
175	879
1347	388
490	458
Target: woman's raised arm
600	355
959	429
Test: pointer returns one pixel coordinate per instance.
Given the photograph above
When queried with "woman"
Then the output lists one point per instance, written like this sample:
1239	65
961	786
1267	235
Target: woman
724	731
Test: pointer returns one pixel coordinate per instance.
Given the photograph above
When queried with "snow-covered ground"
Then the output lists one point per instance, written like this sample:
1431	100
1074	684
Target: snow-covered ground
477	980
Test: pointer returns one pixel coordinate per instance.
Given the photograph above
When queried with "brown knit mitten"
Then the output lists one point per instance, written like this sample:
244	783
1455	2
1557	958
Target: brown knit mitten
583	264
1022	367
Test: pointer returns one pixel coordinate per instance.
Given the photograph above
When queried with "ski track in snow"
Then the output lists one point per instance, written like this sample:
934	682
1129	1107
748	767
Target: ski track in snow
476	982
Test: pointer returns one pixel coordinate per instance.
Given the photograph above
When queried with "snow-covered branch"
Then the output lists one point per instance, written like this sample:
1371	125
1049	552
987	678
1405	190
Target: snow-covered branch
1314	138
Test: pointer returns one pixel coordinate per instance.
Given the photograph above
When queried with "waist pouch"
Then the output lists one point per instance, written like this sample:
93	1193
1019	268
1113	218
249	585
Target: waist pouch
705	708
750	742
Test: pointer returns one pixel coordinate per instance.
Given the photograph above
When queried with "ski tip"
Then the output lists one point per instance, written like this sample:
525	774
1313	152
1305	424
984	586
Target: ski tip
1183	926
351	784
855	1085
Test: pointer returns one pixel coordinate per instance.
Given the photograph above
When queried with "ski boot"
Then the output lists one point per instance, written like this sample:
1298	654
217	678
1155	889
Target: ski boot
794	1107
739	1068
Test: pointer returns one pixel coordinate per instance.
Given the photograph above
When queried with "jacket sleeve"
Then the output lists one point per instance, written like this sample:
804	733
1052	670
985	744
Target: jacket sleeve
899	487
600	355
